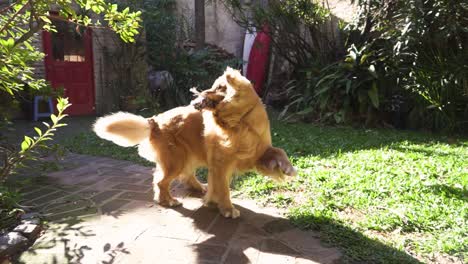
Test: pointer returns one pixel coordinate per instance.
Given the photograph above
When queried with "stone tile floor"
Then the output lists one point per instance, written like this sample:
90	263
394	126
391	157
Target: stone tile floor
100	210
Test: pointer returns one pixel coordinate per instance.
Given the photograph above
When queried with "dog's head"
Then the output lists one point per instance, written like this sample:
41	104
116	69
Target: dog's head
230	97
274	163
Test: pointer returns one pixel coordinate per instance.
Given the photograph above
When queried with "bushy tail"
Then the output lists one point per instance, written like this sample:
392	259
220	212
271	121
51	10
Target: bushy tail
122	128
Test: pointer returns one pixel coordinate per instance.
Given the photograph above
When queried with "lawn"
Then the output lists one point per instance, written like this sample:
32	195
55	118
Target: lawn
382	196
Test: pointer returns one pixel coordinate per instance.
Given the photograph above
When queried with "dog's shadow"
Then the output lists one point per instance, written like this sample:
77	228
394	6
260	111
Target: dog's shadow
225	240
258	237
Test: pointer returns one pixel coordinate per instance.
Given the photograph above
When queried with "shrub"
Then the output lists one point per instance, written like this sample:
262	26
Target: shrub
170	48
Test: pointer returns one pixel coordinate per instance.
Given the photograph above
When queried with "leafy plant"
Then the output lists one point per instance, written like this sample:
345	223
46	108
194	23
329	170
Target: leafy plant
338	91
423	49
170	48
13	159
8	207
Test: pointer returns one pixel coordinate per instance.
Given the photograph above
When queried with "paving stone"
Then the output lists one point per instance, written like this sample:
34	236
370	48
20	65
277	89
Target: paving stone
38	193
103	196
306	242
11	243
221	232
148	181
203	217
86	194
138	168
79	171
174	228
269	258
28	229
278	226
31	216
73	214
242	255
246	243
113	206
123	179
48	198
115	173
68	206
116	164
159	250
148	196
302	260
273	251
88	180
98	185
131	187
277	247
137	205
212	253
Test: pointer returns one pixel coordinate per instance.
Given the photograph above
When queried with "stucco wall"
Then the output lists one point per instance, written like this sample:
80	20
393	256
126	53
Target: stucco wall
220	28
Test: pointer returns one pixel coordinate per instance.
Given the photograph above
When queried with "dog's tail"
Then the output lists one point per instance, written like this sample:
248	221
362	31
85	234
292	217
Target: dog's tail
123	129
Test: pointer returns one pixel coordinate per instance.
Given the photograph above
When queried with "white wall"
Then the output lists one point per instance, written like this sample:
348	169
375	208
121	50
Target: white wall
220	28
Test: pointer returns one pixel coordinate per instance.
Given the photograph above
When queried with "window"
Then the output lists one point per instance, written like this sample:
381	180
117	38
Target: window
68	42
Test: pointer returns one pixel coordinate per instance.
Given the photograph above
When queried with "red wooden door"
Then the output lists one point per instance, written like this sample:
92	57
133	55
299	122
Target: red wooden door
69	64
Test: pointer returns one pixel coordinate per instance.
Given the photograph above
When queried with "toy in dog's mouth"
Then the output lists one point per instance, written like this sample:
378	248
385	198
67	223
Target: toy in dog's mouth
203	100
201	103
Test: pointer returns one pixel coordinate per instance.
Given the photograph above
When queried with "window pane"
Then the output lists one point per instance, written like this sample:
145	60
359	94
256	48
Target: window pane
68	42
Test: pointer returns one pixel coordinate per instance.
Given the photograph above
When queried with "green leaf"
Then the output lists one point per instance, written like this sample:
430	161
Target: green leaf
28	139
374	95
39	132
45	19
53	118
24	145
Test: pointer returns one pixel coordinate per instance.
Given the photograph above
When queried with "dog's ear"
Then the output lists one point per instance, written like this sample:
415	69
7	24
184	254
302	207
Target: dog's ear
236	80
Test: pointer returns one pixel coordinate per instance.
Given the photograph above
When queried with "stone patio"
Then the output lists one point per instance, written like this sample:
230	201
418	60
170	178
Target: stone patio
100	210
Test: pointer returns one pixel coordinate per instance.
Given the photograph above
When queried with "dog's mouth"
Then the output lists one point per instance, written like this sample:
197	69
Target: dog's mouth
203	100
201	103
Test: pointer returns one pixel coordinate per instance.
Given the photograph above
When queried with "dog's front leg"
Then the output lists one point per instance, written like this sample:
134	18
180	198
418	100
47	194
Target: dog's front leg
219	177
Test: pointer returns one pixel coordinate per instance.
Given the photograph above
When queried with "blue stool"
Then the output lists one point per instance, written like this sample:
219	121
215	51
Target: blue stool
36	114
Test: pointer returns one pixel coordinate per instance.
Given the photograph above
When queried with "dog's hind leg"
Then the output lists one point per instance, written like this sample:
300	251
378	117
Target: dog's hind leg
169	169
163	179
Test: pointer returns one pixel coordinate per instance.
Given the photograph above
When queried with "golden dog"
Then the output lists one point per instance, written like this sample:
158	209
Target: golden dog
225	129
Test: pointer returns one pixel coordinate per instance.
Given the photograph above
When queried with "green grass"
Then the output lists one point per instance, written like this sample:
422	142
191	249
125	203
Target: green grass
382	196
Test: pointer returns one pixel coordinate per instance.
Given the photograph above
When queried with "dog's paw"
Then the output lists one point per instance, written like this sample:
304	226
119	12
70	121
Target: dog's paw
229	212
207	202
169	202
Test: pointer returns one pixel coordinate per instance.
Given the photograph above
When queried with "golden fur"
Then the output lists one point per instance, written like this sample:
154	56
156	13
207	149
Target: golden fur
226	129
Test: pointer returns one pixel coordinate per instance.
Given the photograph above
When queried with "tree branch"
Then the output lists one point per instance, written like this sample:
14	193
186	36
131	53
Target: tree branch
14	16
